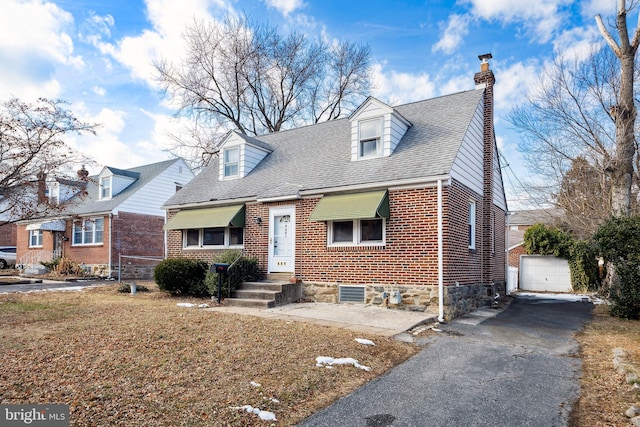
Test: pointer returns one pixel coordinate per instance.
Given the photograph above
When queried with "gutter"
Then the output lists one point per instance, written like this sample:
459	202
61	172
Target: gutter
210	204
440	257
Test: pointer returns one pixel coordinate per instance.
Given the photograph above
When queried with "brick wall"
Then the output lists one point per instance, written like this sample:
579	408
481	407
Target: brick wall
135	234
408	259
514	255
8	234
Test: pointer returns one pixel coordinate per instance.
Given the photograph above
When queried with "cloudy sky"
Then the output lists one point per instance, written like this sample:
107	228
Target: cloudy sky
97	55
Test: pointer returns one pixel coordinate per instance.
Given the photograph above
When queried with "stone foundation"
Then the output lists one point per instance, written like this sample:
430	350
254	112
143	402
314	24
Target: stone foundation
136	272
458	300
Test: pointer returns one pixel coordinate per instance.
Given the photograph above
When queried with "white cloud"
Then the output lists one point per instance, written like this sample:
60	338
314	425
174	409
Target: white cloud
541	17
99	90
46	40
108	147
95	28
590	8
454	32
513	83
577	43
169	20
396	88
285	7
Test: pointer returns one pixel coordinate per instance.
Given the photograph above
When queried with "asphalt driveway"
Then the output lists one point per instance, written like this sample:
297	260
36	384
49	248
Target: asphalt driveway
519	368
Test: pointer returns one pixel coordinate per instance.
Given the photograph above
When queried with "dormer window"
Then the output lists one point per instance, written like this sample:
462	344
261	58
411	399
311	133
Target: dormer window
105	188
231	161
370	137
376	130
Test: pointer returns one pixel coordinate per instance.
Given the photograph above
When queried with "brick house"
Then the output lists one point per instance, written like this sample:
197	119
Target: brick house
117	212
404	201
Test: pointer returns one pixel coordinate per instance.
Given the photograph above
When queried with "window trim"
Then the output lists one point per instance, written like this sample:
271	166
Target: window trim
357	233
39	239
378	138
225	163
471	224
93	242
227	238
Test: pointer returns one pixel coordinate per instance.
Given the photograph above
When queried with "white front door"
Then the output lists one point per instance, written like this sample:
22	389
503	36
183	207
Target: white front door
282	231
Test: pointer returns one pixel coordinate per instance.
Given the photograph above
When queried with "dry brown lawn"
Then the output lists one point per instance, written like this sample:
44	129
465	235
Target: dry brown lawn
605	395
132	360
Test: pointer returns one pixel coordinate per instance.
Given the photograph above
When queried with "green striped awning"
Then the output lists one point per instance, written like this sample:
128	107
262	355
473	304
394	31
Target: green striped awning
374	204
207	218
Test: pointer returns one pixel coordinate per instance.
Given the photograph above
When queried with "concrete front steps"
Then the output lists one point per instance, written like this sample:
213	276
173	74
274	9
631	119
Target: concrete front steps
265	294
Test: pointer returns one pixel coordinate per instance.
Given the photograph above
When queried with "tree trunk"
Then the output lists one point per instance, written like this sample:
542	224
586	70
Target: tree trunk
624	113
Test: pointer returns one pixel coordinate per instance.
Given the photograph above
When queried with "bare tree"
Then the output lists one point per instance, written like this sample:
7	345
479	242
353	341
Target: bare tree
241	75
624	112
566	118
32	148
584	198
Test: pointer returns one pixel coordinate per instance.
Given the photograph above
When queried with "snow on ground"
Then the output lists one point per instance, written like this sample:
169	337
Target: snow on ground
328	362
364	341
563	297
189	305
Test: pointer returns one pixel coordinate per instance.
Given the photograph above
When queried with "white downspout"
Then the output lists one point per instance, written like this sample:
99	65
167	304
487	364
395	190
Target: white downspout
110	242
440	257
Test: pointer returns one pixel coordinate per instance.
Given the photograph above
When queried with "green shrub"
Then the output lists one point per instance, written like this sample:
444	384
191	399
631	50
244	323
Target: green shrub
583	263
542	240
182	276
619	242
242	269
625	295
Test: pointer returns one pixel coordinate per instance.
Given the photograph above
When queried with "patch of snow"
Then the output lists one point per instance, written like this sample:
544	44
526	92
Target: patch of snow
263	415
185	304
324	360
364	341
255	384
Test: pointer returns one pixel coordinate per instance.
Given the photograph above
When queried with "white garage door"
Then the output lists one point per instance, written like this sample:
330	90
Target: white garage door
544	274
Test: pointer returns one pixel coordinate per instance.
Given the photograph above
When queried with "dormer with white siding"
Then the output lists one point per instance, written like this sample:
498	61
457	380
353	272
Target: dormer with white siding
112	181
239	155
376	130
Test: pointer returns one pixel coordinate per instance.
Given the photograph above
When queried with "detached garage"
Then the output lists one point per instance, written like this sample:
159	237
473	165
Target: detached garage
541	273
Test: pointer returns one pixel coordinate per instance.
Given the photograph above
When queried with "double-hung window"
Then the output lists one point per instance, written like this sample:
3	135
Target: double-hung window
370	137
231	158
35	238
357	232
472	224
105	188
88	232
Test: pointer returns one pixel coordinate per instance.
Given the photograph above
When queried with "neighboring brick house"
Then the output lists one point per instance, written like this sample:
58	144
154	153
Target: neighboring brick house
117	212
404	200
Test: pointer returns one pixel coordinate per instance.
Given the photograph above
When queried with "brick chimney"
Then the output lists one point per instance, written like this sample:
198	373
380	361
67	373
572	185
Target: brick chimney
42	187
83	173
485	80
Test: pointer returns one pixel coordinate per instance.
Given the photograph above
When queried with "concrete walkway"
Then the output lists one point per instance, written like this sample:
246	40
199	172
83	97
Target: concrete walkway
356	317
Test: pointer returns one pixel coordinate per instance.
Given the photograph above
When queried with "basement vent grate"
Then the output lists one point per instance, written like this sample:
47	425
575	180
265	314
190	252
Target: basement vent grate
348	293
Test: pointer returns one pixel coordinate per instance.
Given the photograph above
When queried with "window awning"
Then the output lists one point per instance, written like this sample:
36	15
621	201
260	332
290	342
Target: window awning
207	218
374	204
55	225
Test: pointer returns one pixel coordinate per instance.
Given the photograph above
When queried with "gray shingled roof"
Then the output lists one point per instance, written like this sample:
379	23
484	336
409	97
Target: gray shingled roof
318	157
90	204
